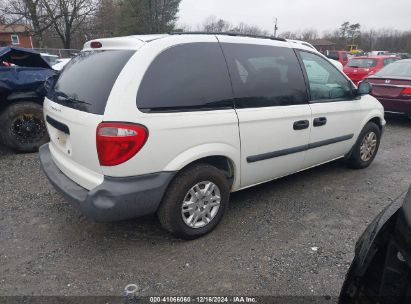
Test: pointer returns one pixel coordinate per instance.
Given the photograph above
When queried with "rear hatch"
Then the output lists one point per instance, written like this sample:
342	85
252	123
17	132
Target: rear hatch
75	106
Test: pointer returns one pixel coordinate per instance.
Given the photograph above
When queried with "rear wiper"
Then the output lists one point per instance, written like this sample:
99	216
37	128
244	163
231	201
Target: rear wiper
64	97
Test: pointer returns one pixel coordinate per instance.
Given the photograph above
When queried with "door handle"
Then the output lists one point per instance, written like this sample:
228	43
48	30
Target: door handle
301	125
320	121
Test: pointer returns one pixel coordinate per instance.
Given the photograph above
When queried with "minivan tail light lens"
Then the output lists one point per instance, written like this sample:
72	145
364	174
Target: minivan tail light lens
118	142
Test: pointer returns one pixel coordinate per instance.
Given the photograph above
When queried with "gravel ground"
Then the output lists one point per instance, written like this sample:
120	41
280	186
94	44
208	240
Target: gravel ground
262	247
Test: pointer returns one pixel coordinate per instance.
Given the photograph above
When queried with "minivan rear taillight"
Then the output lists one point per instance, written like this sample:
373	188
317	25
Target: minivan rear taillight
118	142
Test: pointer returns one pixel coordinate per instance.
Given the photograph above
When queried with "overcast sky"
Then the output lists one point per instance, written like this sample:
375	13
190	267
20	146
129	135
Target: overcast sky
294	15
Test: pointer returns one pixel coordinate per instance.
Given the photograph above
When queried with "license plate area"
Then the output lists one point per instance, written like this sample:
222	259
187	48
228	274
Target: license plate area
59	135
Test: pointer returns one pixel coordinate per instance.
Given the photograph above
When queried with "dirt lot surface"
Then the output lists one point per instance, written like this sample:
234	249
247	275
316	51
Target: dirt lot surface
264	245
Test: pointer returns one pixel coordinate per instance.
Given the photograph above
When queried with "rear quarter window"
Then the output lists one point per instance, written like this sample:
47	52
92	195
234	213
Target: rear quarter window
86	81
187	77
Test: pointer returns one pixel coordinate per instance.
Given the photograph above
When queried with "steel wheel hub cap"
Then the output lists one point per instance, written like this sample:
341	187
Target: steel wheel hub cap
368	146
201	204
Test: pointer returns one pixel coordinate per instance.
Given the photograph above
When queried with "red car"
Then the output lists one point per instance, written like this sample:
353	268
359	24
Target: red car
360	67
341	56
392	86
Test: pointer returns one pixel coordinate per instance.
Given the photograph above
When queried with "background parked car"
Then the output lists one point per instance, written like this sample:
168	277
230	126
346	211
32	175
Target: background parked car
341	56
381	269
335	62
392	86
360	67
22	92
403	55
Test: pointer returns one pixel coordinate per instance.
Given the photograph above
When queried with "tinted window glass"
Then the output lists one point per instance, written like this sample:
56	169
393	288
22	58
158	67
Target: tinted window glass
86	81
344	56
326	82
186	77
265	76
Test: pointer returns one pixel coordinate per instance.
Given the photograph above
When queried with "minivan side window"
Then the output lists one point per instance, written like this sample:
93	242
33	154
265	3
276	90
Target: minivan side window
264	76
186	77
326	82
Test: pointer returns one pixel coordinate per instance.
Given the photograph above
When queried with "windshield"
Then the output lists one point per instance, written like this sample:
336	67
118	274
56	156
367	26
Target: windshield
86	81
397	69
362	63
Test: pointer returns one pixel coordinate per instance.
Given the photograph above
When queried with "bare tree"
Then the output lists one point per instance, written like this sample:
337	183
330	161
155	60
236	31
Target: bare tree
30	12
247	29
68	16
214	25
309	34
289	35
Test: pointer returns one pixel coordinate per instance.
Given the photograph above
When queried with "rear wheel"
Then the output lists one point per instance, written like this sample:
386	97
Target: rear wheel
22	126
366	147
195	201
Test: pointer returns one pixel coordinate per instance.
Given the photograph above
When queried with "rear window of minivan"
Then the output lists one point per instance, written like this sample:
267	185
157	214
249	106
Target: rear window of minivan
86	81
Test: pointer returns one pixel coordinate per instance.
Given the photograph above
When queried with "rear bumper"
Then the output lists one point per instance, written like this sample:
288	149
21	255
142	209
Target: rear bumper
117	198
396	105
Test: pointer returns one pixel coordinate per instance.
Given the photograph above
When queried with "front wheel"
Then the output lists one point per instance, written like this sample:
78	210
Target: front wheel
195	201
22	126
366	147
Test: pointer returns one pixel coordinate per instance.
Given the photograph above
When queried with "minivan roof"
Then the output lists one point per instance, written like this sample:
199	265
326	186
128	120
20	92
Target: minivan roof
135	42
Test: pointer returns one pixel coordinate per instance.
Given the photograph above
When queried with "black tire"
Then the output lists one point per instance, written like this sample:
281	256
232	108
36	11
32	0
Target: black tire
355	161
22	126
170	211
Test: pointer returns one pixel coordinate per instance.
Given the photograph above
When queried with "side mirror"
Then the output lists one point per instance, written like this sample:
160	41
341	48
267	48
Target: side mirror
364	88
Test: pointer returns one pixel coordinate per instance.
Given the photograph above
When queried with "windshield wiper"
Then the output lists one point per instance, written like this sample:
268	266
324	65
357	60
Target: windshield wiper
64	97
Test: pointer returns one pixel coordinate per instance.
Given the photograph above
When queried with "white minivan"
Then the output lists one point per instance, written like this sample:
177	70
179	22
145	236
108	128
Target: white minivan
172	124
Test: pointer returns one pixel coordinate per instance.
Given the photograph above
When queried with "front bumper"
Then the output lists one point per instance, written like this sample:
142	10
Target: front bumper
117	198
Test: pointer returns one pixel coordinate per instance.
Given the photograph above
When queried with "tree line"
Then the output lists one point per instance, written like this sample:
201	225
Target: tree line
353	34
69	23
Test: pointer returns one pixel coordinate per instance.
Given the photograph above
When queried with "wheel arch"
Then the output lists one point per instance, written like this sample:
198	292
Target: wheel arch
221	156
375	117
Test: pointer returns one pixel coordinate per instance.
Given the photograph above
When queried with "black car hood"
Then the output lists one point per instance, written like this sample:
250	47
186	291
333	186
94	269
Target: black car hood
23	57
